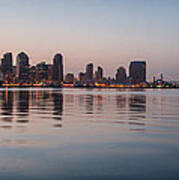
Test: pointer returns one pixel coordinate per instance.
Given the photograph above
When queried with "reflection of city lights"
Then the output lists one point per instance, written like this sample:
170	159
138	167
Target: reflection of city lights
67	85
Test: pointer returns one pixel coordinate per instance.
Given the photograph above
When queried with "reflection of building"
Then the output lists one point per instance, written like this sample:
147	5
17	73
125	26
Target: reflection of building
23	103
58	105
137	109
121	101
69	78
89	104
137	71
58	68
6	65
121	75
137	103
7	105
89	71
100	102
22	67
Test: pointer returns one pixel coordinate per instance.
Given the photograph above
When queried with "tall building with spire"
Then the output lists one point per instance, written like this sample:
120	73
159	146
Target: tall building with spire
58	68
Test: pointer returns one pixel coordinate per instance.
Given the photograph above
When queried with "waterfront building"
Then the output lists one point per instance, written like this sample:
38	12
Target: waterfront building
137	71
99	74
32	74
69	78
82	77
41	72
121	75
6	65
22	67
58	68
50	72
89	72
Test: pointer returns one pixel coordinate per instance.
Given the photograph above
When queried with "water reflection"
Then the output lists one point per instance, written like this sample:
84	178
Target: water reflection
46	102
27	106
22	103
58	106
47	107
100	101
89	104
137	103
28	103
121	101
7	105
137	107
100	129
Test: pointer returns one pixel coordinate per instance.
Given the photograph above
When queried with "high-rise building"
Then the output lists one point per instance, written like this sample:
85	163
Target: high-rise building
58	68
99	74
6	65
50	72
41	71
121	75
137	71
32	74
89	71
22	67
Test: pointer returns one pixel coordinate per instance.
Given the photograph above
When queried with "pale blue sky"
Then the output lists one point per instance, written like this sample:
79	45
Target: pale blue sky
108	32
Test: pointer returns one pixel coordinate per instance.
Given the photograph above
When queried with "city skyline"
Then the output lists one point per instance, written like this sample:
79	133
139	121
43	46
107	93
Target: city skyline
97	30
95	66
43	74
22	71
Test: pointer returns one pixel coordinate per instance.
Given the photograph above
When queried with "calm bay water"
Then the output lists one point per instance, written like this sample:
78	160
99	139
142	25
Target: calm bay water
89	134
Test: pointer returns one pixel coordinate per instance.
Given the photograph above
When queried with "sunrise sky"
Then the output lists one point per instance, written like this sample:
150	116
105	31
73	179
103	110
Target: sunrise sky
107	32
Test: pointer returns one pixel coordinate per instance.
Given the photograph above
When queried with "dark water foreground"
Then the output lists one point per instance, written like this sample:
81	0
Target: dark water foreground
89	134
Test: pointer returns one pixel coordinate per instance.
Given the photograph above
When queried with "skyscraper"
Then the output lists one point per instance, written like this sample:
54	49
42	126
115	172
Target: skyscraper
6	65
22	67
137	71
121	75
89	71
58	68
99	74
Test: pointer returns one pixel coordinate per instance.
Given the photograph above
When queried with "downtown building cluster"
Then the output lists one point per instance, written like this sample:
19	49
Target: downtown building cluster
25	74
42	74
137	75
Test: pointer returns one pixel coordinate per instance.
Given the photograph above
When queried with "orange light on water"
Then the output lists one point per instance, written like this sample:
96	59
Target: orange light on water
68	85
